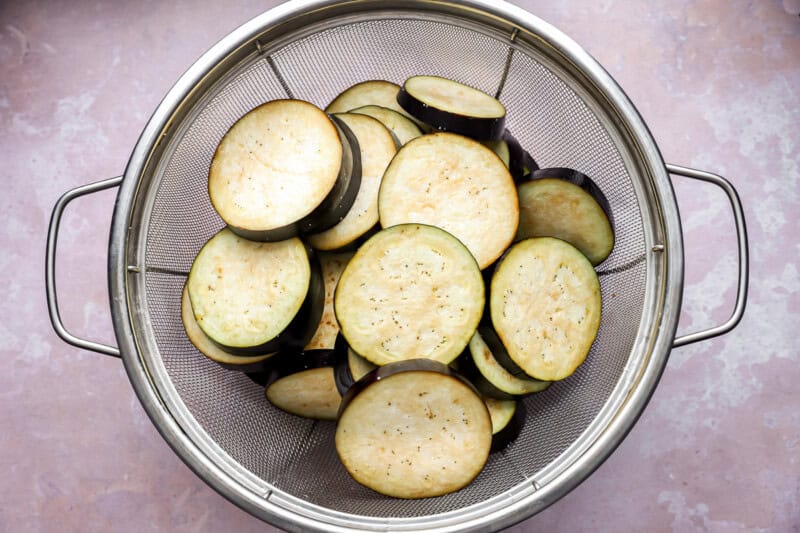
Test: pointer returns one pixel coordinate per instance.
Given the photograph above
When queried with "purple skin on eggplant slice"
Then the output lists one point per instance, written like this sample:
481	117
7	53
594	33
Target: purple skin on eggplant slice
341	369
478	128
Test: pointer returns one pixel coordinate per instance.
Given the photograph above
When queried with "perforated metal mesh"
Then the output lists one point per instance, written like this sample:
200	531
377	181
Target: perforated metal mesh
549	119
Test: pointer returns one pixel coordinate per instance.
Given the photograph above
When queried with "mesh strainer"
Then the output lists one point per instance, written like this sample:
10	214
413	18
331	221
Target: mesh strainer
561	105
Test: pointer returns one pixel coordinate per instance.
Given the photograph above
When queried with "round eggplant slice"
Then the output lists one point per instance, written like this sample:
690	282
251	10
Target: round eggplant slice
447	105
545	305
281	169
494	379
411	291
256	297
210	349
377	147
309	393
568	205
332	267
372	92
413	429
457	184
404	128
508	419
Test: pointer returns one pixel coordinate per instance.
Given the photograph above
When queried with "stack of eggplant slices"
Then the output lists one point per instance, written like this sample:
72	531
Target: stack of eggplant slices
398	264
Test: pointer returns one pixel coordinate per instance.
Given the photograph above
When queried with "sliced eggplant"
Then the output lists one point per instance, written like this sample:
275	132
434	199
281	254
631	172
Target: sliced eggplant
283	168
492	378
568	205
457	184
411	291
256	297
210	349
508	419
372	92
447	105
309	393
500	147
413	429
404	128
545	305
359	367
332	267
377	147
501	413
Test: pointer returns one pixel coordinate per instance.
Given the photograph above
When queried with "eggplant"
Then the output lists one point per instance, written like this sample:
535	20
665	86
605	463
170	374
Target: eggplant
457	184
332	266
252	298
492	378
448	105
309	393
508	419
550	339
371	92
403	128
413	429
252	363
376	149
266	183
410	291
567	204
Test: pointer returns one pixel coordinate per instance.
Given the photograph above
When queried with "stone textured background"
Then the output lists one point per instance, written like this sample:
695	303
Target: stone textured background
718	83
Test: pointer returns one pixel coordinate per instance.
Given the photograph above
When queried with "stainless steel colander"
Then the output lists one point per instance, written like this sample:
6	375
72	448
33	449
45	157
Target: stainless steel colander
561	105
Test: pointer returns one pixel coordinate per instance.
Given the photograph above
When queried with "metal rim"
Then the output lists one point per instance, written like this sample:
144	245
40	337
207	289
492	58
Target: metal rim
662	302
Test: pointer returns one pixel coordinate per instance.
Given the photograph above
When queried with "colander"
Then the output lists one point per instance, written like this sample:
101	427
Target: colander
562	106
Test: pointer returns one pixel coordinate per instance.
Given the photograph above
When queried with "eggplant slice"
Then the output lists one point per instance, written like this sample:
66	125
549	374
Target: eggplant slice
403	128
447	105
255	297
283	168
253	363
545	305
372	92
493	379
309	393
457	184
413	429
568	205
328	329
411	291
377	147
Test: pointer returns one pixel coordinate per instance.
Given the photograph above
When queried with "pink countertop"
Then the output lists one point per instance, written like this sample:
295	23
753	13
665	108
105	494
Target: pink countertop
718	447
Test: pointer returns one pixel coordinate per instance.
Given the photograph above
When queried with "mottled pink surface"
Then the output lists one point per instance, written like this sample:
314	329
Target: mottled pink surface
718	448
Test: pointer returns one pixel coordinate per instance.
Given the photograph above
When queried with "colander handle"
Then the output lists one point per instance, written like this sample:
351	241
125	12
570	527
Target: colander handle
50	267
744	268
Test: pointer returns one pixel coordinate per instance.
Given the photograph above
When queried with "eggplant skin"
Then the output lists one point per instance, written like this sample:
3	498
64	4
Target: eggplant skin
482	128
